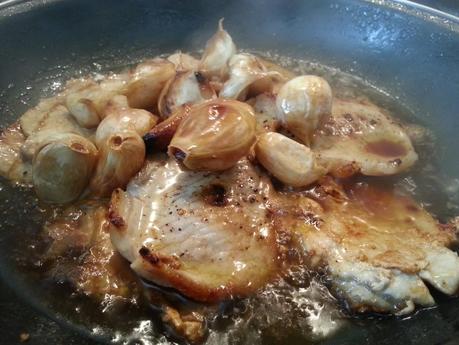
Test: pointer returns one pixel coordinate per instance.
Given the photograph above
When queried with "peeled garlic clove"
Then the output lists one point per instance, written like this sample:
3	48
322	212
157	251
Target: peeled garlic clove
146	83
301	102
245	69
217	54
290	162
62	169
119	117
185	88
120	158
183	62
214	136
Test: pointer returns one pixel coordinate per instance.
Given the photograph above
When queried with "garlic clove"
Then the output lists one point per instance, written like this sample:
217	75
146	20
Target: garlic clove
214	136
289	161
119	116
301	102
62	168
218	51
120	158
146	82
186	88
245	70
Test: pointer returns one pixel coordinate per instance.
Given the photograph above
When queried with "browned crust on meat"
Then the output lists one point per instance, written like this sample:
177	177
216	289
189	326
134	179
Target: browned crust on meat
156	259
175	278
113	216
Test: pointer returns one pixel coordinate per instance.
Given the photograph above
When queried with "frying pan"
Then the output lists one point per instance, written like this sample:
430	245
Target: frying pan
408	51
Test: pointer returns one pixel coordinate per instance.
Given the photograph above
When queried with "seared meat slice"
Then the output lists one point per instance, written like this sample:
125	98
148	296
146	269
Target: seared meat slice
204	234
378	246
360	137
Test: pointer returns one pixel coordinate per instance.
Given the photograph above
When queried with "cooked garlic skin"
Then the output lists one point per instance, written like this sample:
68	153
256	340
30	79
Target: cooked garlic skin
214	136
301	102
160	136
87	104
218	51
183	62
120	158
245	70
35	143
289	161
187	87
62	169
119	117
284	73
146	82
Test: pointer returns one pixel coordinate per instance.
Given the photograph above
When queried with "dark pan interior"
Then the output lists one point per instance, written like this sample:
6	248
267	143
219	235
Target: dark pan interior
406	51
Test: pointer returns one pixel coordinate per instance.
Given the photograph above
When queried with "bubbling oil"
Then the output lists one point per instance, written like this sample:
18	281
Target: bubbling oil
295	309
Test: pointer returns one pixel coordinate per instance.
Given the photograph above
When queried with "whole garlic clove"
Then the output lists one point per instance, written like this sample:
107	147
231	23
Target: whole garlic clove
245	70
214	136
289	161
218	51
301	102
119	117
146	82
186	88
120	158
62	168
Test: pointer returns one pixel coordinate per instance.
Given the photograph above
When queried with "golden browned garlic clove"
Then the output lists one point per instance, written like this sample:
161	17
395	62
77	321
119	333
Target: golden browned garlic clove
214	136
301	102
245	70
146	82
120	158
62	169
187	87
219	50
119	117
289	161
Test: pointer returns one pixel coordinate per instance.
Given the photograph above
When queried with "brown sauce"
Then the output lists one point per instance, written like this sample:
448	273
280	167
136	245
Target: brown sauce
386	148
